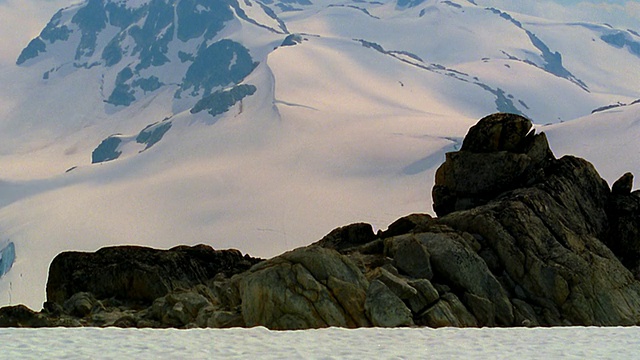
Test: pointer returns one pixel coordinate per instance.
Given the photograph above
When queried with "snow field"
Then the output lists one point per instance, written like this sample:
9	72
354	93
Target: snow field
332	343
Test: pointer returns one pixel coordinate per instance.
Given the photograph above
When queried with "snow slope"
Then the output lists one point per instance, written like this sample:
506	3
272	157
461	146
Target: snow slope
608	139
149	131
332	343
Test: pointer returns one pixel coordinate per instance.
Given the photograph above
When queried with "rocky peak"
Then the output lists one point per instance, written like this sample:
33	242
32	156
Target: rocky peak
500	153
498	132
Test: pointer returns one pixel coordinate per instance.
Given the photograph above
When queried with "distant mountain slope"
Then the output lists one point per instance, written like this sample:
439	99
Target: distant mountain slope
262	125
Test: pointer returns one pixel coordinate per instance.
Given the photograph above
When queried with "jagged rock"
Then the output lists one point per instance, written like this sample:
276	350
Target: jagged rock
309	287
384	308
624	185
139	274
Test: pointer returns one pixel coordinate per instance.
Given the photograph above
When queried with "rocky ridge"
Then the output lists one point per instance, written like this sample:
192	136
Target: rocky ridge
522	239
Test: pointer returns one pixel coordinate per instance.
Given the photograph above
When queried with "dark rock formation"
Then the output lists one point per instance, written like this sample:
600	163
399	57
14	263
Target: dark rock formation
498	154
623	186
133	274
20	316
624	223
523	239
305	288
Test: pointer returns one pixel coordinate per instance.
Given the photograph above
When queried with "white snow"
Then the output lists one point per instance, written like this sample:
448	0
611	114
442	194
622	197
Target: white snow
608	139
332	343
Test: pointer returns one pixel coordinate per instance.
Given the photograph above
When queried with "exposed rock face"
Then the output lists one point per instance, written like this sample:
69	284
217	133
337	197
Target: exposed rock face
624	228
498	154
543	242
524	239
384	308
542	230
306	288
139	274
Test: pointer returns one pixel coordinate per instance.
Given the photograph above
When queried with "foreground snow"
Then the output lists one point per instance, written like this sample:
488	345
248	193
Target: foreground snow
333	343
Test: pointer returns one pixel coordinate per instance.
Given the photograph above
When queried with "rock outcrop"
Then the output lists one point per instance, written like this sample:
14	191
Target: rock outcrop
305	288
623	210
133	274
499	153
522	239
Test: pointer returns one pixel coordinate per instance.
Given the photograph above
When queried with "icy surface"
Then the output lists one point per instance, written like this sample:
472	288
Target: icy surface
333	343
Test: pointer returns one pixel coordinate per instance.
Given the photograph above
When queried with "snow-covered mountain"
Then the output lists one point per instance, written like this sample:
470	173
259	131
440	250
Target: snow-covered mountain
262	125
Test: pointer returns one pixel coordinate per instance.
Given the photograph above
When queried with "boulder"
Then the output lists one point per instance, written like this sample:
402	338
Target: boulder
80	304
126	318
179	309
210	317
408	224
